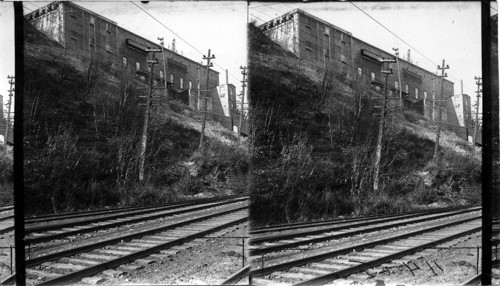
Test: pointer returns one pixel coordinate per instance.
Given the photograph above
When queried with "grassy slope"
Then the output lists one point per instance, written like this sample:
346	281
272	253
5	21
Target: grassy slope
312	161
82	137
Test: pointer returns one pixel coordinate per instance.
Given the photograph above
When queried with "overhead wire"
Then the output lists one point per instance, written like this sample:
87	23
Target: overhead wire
394	34
185	41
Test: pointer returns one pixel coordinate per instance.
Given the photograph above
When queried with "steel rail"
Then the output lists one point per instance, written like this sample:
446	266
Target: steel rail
342	227
258	251
7	217
284	227
319	257
358	268
6	208
133	256
49	257
237	276
62	216
7	229
50	237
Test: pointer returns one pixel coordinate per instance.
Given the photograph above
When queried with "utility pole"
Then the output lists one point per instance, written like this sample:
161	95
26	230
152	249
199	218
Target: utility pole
164	71
396	53
476	122
440	109
243	85
202	134
9	105
142	154
197	107
378	152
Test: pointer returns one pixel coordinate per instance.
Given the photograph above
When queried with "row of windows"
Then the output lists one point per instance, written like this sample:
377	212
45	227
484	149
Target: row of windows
396	83
138	67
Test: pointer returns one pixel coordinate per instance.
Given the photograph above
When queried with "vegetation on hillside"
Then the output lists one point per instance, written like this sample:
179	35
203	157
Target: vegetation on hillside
82	131
313	143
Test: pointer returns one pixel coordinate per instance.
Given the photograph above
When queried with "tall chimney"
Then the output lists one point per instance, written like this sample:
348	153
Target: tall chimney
227	78
461	86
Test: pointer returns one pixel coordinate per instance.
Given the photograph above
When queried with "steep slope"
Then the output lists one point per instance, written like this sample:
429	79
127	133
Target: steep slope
314	137
83	127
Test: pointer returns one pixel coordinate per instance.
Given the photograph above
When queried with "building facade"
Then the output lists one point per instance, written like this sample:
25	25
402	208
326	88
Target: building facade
329	47
89	34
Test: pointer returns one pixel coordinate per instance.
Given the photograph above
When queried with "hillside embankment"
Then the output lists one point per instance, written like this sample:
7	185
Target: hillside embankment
83	123
315	134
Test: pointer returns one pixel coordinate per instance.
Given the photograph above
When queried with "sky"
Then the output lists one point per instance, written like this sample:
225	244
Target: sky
438	30
6	50
434	30
219	26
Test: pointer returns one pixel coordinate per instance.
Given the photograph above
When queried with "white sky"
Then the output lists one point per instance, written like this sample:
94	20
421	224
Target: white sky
7	58
219	26
439	30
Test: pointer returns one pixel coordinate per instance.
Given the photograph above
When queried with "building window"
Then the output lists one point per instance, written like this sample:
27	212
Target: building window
161	74
308	28
91	31
372	75
406	88
342	58
416	92
107	27
92	20
327	40
124	61
396	84
342	38
360	71
181	83
137	66
390	93
172	78
308	54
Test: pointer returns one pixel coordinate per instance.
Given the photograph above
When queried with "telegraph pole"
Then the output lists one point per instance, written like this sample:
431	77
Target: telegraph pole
142	154
9	105
209	64
440	109
378	153
476	122
243	85
396	53
197	107
164	70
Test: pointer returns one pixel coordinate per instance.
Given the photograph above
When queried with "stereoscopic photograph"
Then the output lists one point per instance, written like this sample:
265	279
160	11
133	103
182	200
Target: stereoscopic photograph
249	143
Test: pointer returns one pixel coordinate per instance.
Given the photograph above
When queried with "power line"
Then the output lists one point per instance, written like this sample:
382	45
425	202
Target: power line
399	38
267	5
159	22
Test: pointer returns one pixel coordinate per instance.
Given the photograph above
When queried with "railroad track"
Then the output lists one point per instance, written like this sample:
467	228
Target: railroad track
326	253
6	219
63	255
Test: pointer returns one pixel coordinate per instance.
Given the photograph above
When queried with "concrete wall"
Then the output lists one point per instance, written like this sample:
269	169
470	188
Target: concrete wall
92	35
329	47
50	21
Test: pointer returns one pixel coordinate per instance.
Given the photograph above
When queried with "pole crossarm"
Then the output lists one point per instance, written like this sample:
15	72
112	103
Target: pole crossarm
204	110
440	109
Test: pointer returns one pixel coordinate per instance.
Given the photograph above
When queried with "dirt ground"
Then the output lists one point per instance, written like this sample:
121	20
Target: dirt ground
6	241
209	261
445	265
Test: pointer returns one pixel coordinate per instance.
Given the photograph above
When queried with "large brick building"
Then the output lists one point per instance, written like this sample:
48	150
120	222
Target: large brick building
327	46
88	34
